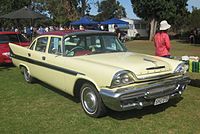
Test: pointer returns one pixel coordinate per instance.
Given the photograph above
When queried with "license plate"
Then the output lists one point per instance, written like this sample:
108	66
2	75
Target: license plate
161	100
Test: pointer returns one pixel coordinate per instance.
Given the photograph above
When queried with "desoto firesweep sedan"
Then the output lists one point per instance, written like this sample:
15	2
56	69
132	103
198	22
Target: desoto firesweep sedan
96	67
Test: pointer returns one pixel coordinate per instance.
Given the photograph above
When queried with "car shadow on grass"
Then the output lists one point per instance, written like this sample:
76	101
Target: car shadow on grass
60	92
140	113
123	115
6	67
195	83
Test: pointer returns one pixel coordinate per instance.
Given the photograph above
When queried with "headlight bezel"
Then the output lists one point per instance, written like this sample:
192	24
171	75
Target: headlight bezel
122	78
181	68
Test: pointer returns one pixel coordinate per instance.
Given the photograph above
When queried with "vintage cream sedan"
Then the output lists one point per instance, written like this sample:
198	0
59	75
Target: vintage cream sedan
95	67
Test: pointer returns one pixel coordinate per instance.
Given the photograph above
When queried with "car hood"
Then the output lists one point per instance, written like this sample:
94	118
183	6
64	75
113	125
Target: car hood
139	64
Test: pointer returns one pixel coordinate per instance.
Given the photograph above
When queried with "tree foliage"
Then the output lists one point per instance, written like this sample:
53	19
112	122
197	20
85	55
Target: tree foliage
110	9
180	20
83	7
7	6
60	11
195	18
156	10
64	10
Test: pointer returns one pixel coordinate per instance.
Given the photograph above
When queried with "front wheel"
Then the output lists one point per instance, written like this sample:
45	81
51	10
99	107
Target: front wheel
91	101
28	78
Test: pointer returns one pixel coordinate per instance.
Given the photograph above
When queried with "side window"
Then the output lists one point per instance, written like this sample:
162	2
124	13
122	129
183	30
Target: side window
98	42
13	38
137	26
74	44
94	43
55	45
143	26
71	42
41	44
32	45
109	43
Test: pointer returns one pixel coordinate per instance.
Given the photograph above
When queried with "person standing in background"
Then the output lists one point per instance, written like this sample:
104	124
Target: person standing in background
117	31
162	40
81	27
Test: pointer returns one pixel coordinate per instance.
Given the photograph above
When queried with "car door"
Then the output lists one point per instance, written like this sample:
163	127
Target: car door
39	67
56	61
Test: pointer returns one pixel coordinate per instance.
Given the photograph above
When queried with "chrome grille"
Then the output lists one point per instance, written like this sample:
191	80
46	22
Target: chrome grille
152	92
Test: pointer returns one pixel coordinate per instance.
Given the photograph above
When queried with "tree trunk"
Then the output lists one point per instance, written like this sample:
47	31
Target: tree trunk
153	26
83	7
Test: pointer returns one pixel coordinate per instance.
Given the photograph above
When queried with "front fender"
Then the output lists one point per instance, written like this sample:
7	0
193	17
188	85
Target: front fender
86	78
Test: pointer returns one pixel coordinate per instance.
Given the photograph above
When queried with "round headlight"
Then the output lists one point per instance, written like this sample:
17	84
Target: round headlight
116	81
125	78
122	78
181	68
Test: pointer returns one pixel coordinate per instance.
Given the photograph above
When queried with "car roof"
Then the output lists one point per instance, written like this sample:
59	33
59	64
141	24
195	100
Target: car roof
9	32
60	32
67	32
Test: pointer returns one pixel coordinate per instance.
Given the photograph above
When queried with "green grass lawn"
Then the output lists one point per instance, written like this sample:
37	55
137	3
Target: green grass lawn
39	108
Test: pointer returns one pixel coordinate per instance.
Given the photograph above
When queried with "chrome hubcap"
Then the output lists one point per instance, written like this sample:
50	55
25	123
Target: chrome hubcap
26	75
89	100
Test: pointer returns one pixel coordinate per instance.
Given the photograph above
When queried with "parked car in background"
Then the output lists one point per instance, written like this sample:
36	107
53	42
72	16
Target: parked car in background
95	67
10	37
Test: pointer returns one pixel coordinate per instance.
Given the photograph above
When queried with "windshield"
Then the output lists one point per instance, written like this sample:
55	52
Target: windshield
13	38
77	45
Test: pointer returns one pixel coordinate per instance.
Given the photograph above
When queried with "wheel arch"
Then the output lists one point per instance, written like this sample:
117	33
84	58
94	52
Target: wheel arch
78	84
23	65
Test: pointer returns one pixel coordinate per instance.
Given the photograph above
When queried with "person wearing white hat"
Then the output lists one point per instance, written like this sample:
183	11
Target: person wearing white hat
162	41
164	25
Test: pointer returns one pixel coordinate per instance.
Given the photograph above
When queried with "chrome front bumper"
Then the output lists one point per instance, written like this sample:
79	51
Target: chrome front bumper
137	97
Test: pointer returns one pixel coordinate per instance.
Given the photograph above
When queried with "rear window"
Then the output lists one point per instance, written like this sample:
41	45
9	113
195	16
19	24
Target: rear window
6	38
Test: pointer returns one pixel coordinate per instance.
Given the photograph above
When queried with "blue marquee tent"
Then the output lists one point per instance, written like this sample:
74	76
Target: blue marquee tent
114	21
84	21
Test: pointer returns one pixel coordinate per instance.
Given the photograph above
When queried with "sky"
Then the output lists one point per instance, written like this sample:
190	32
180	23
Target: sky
129	10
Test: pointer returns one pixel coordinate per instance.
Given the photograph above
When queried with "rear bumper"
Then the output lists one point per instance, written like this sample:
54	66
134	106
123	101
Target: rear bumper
137	97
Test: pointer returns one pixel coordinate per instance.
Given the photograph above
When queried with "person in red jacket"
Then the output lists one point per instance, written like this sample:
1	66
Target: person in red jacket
162	41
